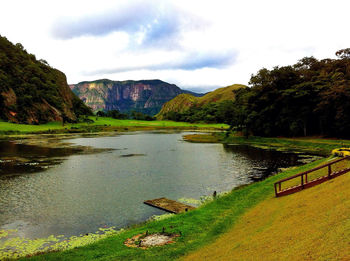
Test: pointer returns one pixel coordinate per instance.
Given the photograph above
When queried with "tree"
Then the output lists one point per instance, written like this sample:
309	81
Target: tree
141	116
101	114
343	53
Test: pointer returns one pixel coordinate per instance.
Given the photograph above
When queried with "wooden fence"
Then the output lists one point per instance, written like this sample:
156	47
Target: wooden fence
305	180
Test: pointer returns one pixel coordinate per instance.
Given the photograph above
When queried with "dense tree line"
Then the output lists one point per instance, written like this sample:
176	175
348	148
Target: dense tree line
115	114
311	97
215	112
135	115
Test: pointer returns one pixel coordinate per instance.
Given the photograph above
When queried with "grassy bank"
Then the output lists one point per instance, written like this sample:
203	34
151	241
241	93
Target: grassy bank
197	228
103	124
308	144
312	224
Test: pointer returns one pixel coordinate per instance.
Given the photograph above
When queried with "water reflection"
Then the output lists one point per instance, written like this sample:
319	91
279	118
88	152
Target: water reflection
263	162
16	158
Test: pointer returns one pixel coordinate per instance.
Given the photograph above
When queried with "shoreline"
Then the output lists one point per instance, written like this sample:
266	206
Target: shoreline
210	217
312	145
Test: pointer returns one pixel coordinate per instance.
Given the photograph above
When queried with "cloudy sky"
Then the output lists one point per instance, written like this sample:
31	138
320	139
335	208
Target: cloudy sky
198	45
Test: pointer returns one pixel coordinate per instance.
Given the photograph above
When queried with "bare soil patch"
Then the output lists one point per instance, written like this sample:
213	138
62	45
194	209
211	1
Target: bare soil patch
145	240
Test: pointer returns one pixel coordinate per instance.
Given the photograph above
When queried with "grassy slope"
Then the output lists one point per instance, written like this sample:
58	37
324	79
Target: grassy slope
198	227
183	102
102	121
221	94
180	103
313	224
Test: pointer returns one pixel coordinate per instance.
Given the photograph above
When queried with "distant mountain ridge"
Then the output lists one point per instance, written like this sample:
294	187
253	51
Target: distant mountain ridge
147	96
183	102
33	92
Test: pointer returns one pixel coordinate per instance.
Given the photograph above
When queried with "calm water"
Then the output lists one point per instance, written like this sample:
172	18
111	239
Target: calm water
81	193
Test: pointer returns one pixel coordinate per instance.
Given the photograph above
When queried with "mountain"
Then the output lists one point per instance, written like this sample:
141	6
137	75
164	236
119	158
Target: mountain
146	96
33	92
183	102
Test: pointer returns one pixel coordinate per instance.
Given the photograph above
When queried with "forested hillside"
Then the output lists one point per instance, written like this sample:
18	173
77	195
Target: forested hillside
311	97
33	92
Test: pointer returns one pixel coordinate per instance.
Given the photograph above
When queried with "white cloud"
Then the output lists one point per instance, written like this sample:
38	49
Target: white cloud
188	62
183	42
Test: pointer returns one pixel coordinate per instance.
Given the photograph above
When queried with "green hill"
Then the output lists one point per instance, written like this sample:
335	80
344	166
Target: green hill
221	94
183	102
33	92
180	103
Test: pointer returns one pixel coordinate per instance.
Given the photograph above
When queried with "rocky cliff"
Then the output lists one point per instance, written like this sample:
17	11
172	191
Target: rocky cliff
33	92
146	96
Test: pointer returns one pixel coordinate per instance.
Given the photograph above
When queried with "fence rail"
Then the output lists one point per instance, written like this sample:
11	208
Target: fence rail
303	180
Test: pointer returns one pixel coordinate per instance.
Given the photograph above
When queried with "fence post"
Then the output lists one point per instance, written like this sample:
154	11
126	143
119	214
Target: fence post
275	189
306	178
302	181
329	171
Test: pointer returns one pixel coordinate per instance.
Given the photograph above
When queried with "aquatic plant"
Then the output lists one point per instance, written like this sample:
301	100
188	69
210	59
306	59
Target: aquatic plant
12	246
161	217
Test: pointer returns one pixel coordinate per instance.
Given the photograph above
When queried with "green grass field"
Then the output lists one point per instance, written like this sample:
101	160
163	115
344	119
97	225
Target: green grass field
101	124
198	228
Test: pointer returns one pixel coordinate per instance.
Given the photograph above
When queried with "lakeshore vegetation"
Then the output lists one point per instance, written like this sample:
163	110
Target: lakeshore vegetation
312	145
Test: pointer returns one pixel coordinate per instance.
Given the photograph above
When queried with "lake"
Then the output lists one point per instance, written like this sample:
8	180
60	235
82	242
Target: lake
49	192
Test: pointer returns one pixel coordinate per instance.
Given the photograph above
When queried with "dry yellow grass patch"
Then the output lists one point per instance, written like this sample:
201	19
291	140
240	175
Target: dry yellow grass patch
313	224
